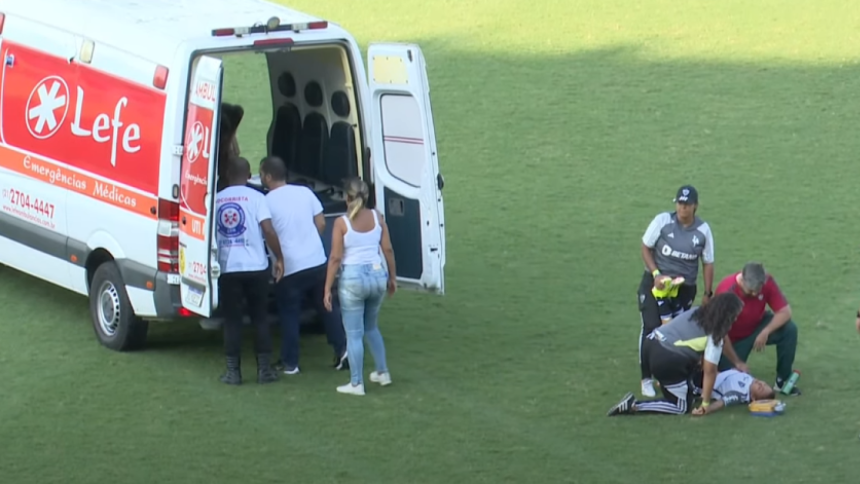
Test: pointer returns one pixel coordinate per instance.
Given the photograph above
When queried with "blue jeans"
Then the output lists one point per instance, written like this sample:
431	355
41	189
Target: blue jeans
361	290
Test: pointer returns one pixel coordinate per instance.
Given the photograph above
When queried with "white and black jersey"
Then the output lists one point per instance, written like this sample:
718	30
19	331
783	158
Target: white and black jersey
676	248
732	387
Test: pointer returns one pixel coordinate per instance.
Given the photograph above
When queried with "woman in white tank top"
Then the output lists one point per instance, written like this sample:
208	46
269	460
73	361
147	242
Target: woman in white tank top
358	243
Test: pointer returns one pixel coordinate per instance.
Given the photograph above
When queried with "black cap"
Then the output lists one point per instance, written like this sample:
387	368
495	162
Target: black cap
687	194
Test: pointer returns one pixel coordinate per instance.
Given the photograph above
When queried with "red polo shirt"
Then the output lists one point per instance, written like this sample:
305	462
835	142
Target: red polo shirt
754	307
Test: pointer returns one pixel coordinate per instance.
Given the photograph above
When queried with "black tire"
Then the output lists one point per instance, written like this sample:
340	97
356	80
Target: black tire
114	322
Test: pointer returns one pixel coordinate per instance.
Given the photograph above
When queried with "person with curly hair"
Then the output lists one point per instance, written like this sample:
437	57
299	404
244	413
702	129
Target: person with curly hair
674	350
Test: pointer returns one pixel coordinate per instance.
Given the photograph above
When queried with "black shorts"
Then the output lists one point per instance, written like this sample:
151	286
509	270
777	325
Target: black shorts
648	305
669	367
674	370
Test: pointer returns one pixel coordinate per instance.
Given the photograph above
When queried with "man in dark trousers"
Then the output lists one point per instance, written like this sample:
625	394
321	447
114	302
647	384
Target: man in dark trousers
298	219
756	327
243	220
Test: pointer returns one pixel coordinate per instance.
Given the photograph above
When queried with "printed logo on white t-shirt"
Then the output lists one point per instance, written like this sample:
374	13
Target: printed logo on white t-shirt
232	224
239	212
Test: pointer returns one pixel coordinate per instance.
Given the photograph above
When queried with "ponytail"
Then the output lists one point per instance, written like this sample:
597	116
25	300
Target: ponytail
354	207
357	193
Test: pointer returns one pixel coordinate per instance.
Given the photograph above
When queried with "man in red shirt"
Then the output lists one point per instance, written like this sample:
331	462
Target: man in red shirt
756	327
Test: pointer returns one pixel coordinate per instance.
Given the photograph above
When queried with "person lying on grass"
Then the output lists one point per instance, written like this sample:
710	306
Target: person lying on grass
733	387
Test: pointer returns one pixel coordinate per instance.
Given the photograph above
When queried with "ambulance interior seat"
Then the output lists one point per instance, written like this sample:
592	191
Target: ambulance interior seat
340	161
288	123
314	137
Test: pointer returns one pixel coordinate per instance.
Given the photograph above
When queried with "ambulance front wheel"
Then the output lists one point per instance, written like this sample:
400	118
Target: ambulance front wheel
114	321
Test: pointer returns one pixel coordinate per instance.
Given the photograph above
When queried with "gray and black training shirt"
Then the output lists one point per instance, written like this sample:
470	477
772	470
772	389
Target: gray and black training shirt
676	248
684	335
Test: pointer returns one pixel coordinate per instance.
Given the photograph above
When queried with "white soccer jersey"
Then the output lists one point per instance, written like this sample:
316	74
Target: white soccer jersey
733	387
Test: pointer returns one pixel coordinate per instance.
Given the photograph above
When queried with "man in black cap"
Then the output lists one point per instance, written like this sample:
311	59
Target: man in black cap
672	248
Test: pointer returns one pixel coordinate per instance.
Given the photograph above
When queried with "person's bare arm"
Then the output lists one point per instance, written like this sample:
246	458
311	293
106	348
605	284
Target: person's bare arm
729	352
708	264
708	270
272	239
319	221
336	254
649	240
648	258
274	244
779	319
709	378
775	299
713	407
387	250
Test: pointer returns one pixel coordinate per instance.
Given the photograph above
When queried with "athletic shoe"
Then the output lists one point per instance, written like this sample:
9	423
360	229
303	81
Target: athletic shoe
625	406
383	379
351	389
341	362
280	366
648	388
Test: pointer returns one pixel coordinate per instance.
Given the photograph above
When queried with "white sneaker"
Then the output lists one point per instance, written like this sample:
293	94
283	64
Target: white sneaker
351	389
383	379
648	388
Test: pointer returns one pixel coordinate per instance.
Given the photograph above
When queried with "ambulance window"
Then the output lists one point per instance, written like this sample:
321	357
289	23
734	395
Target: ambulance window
403	137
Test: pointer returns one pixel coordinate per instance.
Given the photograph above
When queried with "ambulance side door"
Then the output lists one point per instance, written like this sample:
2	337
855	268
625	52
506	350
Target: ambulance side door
198	254
405	164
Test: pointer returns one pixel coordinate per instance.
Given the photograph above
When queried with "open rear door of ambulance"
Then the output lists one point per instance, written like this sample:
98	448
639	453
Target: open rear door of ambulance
198	254
405	165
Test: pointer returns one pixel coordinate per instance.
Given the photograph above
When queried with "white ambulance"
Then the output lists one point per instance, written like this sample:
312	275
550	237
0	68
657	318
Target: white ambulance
110	117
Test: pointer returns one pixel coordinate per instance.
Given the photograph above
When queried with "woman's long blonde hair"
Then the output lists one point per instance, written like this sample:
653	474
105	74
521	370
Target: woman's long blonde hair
357	193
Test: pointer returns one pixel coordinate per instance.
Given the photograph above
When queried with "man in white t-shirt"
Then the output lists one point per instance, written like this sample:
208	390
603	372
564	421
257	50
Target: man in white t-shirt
298	219
243	220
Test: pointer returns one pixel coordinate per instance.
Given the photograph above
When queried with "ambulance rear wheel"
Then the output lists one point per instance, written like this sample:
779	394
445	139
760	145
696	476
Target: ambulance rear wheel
114	321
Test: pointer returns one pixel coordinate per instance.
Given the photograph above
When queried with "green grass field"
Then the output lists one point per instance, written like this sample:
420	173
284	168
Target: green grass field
561	133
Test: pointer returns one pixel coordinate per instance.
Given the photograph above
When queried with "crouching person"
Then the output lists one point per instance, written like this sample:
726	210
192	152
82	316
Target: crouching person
673	352
755	327
243	220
